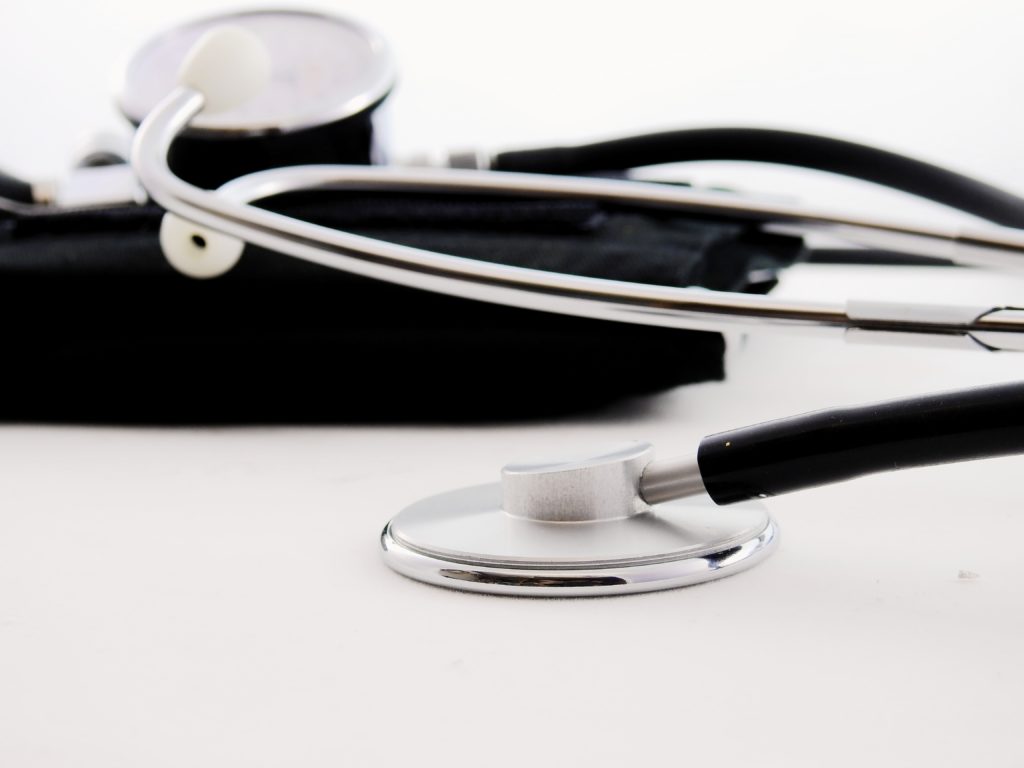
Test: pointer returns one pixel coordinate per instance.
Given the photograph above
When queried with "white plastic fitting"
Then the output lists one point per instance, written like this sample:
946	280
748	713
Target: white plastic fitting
228	65
197	251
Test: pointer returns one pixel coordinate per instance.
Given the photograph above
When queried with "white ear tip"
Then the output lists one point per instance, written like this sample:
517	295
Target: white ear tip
228	65
196	251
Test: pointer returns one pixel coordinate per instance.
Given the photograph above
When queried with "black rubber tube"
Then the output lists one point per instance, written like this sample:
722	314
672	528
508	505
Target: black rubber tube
842	443
15	189
779	147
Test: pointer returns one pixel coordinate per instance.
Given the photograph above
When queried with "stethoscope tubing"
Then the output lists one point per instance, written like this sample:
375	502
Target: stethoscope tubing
839	444
779	147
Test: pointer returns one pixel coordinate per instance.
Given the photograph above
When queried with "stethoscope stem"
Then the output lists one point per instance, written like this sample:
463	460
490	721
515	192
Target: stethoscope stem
668	479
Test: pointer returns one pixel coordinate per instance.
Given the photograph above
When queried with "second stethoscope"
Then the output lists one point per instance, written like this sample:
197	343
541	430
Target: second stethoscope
617	521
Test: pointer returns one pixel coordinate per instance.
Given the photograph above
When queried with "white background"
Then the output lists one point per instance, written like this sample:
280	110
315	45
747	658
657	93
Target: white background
214	597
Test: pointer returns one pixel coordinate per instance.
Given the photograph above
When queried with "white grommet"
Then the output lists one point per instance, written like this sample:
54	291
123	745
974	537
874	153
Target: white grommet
228	65
196	251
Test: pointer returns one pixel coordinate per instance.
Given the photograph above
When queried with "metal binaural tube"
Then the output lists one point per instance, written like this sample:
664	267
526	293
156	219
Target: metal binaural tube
227	211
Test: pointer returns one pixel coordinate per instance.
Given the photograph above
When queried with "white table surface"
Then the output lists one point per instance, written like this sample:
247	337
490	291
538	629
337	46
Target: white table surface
216	597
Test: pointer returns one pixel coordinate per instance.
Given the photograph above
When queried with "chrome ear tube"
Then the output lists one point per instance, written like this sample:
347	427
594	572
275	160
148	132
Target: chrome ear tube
226	216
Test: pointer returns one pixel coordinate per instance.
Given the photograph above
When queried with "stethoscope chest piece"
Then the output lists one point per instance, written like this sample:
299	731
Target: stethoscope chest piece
574	528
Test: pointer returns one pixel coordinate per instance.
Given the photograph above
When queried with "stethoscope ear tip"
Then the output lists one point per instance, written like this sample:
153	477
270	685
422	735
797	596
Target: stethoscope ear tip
197	251
228	65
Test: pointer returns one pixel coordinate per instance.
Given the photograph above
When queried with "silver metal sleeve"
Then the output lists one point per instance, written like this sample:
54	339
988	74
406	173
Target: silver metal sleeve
671	479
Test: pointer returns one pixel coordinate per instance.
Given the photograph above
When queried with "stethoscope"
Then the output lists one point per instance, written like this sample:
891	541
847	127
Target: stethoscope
619	520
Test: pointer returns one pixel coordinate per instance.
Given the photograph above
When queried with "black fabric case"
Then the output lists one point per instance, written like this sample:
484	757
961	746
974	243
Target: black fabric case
99	328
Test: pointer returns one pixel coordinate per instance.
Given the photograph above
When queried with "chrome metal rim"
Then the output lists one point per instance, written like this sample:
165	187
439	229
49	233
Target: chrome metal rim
463	540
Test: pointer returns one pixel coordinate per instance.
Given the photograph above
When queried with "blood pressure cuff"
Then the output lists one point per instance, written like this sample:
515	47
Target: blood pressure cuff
99	328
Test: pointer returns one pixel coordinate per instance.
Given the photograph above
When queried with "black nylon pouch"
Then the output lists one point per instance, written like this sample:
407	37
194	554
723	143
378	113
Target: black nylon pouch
99	328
